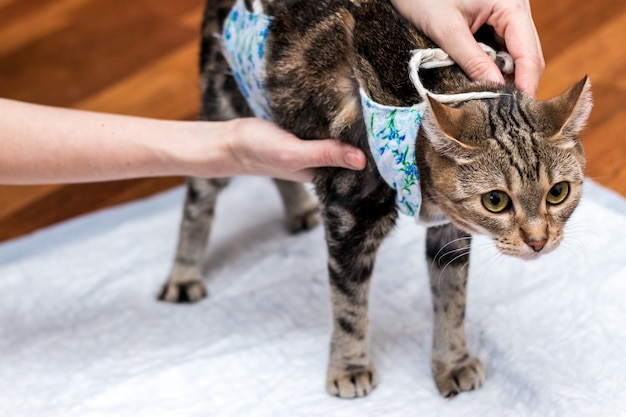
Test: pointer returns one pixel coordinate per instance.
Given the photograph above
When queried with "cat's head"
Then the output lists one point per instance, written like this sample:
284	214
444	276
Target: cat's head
511	167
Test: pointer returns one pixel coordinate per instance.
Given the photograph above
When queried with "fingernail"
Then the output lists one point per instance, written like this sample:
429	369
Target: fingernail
353	160
495	77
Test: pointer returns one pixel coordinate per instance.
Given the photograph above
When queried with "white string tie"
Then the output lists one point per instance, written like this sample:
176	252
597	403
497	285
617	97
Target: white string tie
437	58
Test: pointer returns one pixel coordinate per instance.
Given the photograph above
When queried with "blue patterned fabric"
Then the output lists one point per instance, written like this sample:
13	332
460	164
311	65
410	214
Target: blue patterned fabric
243	39
392	130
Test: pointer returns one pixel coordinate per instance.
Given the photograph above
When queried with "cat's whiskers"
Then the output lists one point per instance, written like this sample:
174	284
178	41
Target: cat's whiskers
460	252
575	245
460	255
437	258
450	243
573	253
463	252
579	227
491	261
477	245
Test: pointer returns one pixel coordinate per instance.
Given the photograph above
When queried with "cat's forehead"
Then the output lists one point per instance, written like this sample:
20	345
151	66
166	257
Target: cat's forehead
524	171
513	133
511	113
525	162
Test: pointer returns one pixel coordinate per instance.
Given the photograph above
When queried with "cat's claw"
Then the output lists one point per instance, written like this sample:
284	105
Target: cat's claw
183	292
352	384
452	379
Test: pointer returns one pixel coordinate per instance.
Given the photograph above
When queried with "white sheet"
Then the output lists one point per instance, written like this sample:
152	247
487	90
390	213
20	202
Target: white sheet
82	335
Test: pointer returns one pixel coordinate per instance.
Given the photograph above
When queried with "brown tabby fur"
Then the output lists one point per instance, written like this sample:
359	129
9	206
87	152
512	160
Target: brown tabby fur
318	53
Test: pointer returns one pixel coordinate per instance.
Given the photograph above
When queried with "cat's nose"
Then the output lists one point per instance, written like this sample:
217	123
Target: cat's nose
537	245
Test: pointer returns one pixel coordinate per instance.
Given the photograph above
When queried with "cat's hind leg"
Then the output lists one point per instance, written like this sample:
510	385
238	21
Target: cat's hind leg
185	282
221	100
454	370
302	210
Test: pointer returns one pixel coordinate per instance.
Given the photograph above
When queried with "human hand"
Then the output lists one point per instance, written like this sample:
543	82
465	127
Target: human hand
451	23
259	147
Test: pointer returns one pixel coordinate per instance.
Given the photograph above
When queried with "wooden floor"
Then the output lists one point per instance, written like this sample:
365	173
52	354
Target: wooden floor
139	57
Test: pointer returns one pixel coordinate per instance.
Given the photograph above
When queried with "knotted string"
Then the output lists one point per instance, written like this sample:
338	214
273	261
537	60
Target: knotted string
437	58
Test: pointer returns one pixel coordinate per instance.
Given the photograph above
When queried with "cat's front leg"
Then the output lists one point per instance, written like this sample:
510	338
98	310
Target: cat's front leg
355	227
454	370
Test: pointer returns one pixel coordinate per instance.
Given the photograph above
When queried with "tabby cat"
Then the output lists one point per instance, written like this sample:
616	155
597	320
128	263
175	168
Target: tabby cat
509	167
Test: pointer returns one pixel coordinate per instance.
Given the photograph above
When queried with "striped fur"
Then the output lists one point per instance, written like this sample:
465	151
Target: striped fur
318	54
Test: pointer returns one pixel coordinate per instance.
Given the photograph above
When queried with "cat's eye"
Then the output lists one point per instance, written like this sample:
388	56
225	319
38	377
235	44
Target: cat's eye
558	193
496	201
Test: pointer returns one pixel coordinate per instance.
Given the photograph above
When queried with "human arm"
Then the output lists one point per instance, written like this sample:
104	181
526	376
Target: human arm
42	144
451	23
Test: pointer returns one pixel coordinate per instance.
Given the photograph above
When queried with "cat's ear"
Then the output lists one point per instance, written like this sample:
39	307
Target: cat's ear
567	114
447	129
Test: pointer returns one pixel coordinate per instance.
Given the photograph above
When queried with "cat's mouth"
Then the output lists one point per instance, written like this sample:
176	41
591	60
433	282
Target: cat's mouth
527	250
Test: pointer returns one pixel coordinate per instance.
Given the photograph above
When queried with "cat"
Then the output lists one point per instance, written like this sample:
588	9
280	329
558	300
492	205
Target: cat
509	167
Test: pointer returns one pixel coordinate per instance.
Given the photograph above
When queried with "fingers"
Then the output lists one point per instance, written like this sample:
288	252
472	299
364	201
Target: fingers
450	23
457	40
450	26
259	147
300	162
527	74
516	26
271	143
331	153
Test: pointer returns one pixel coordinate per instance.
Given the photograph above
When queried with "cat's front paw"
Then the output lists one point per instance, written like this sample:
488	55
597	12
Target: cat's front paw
453	378
352	383
183	292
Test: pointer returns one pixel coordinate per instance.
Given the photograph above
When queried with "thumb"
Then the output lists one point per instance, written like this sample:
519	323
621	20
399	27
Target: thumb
332	153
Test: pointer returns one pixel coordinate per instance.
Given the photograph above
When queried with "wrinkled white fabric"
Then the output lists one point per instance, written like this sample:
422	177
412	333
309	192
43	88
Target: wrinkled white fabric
81	333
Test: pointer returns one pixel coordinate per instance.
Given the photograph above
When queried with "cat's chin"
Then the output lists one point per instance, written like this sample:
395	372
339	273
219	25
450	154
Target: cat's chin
531	256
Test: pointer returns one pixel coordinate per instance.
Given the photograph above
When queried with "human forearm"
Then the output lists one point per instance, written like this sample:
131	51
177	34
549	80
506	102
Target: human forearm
41	144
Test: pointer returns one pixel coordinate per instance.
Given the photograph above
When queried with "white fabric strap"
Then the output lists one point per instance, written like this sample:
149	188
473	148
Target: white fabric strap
437	58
